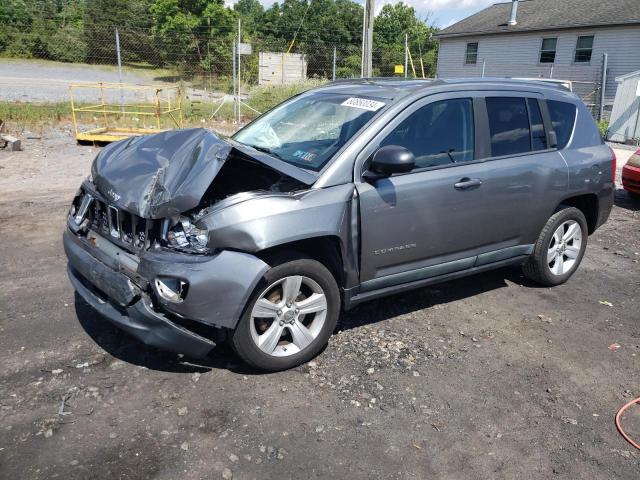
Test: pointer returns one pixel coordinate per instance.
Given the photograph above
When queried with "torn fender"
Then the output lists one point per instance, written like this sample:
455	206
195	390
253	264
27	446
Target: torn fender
270	220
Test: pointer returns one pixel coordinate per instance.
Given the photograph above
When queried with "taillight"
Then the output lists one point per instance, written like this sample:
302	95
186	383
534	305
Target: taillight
613	166
634	161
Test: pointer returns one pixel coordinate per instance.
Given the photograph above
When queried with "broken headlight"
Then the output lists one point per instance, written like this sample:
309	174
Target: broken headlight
185	236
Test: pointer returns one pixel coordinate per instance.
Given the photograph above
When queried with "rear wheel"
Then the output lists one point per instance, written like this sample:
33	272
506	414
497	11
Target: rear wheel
634	196
290	317
559	249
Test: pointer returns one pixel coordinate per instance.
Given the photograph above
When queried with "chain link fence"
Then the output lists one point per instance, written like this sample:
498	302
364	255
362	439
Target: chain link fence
203	63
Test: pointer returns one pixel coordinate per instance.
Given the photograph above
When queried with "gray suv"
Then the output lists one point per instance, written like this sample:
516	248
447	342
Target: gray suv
349	192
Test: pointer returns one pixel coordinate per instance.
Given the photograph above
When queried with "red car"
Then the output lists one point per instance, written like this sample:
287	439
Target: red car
631	176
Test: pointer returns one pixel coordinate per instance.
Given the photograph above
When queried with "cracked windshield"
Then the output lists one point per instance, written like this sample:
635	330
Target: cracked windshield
308	130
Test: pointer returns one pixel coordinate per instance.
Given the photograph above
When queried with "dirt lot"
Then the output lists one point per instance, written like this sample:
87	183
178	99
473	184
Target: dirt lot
486	377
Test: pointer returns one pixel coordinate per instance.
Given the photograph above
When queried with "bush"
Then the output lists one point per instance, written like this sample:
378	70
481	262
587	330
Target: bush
67	45
603	126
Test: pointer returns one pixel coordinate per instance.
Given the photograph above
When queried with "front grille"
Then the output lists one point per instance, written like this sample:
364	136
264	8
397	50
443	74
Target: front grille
119	226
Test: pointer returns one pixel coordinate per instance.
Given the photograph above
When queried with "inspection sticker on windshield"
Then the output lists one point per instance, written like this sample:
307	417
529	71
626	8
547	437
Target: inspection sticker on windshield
363	103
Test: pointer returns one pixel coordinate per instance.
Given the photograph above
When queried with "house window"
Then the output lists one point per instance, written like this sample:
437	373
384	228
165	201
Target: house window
548	50
471	58
584	47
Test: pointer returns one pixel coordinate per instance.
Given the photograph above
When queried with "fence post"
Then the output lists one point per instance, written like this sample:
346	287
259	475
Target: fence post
239	82
118	55
233	69
603	86
333	76
119	70
406	54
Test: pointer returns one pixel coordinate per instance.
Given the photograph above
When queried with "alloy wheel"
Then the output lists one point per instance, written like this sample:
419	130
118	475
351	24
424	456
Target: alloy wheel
288	316
564	247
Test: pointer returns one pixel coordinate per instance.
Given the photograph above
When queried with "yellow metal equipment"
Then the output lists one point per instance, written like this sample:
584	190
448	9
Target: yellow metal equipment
123	110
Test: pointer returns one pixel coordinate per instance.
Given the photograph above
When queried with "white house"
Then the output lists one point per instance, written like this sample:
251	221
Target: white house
563	39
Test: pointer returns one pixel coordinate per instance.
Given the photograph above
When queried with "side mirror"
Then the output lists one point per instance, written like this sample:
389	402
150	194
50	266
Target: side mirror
392	159
553	139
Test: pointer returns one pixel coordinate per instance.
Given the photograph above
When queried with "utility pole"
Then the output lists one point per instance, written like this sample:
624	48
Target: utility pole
367	38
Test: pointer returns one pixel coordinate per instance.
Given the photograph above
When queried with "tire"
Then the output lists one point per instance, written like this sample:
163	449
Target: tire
568	253
634	196
271	323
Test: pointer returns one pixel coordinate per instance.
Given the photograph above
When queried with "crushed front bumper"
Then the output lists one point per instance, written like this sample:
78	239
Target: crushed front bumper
139	320
124	293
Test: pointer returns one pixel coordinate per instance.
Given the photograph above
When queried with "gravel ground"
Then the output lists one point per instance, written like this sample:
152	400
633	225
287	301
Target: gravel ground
485	377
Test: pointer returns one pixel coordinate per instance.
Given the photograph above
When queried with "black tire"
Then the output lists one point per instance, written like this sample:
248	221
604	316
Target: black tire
634	196
537	268
241	339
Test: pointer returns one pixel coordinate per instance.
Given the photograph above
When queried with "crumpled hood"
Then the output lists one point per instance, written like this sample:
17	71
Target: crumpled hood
160	175
165	174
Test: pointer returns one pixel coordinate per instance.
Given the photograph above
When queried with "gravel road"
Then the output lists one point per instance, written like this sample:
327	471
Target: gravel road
489	377
40	81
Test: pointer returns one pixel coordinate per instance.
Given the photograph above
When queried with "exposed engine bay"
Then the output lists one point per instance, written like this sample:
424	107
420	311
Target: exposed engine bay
150	192
242	174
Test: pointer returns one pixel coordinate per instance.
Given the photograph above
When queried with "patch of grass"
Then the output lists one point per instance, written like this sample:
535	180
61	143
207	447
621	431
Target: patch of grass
261	98
34	113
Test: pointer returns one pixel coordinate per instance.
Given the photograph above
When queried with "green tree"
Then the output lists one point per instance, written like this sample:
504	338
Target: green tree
390	27
102	17
197	34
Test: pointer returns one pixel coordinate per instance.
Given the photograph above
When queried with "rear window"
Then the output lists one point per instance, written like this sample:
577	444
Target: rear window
508	126
538	135
563	116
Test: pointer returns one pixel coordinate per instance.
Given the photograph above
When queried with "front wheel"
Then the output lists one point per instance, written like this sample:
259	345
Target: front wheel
559	249
290	317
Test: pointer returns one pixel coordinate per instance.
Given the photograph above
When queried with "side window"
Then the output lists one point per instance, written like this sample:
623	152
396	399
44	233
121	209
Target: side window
471	56
508	126
538	135
438	133
563	116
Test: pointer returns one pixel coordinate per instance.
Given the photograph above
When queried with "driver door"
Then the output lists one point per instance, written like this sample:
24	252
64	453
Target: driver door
428	221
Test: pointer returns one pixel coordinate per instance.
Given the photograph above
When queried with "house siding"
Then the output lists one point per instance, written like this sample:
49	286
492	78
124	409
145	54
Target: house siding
518	55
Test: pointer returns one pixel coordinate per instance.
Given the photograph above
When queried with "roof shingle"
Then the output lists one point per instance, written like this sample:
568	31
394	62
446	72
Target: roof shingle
547	15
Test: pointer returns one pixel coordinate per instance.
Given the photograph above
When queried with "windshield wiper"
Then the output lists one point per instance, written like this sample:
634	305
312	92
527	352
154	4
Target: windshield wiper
266	150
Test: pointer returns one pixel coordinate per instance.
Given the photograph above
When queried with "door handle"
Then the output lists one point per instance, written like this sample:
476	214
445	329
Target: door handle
465	183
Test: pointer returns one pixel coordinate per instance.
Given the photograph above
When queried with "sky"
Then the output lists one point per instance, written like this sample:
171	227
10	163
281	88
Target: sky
442	13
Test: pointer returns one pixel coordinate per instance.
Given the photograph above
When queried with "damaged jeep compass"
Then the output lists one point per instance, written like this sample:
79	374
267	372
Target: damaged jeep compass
348	192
